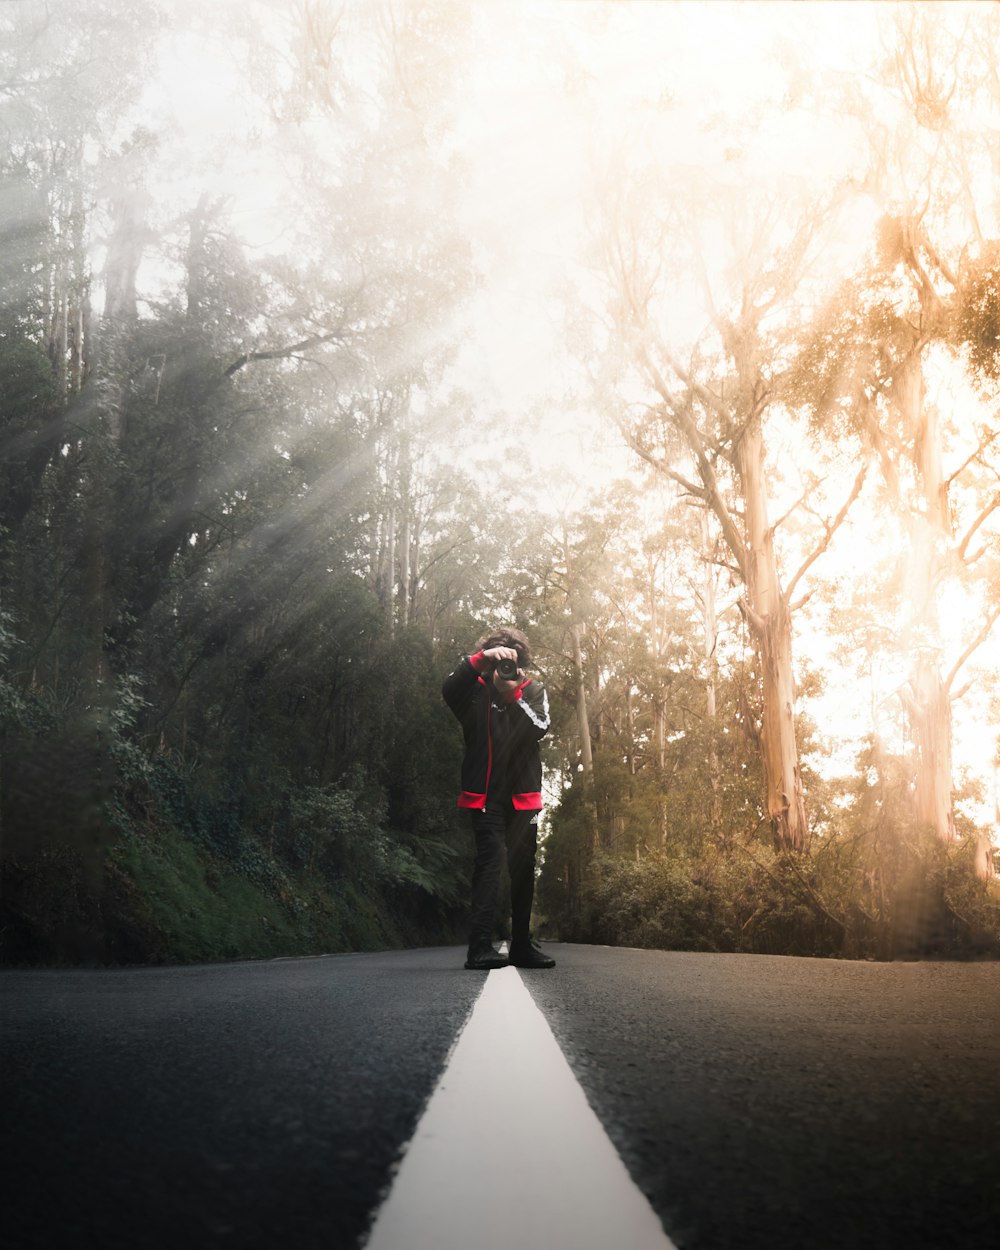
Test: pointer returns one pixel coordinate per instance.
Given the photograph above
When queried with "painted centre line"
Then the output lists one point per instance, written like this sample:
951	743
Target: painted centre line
509	1152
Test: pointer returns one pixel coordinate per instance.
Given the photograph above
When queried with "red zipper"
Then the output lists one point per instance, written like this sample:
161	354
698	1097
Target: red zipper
489	749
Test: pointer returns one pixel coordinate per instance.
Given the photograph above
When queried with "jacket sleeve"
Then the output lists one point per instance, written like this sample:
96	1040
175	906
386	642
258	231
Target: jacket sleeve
534	703
460	685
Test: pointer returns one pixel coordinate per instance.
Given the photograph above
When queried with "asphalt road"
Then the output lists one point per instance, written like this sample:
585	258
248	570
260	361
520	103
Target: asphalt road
231	1105
765	1102
758	1102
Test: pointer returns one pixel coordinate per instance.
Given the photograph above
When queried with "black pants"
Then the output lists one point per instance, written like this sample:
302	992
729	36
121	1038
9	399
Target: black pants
496	827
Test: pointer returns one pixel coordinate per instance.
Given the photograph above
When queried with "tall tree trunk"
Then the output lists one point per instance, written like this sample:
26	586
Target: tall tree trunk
771	625
79	304
414	586
929	710
927	703
582	714
630	760
579	675
711	666
750	540
99	410
986	865
404	495
121	267
405	542
658	700
388	606
67	267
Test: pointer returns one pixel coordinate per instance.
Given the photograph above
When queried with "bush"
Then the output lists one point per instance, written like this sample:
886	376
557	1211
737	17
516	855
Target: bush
655	902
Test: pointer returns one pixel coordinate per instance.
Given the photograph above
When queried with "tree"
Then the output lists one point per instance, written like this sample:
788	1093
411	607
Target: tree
884	363
710	413
210	482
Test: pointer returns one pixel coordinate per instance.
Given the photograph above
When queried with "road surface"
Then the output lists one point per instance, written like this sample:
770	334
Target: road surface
754	1102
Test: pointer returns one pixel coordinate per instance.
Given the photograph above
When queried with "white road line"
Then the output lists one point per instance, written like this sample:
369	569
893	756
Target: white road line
508	1152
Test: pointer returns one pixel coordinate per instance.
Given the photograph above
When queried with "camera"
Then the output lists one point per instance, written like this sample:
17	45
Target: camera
507	670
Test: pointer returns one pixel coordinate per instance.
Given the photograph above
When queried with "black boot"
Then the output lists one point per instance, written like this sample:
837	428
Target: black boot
482	956
528	954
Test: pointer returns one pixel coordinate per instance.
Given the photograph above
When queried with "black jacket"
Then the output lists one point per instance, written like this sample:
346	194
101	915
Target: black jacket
502	761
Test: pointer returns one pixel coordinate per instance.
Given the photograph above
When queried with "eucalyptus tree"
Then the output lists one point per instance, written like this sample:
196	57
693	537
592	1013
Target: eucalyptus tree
617	629
886	360
672	775
695	404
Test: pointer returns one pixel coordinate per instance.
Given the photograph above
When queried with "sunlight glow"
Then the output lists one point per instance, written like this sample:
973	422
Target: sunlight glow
559	99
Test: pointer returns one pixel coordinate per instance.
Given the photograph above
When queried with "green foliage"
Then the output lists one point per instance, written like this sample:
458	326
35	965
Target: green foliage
871	885
978	323
29	427
193	908
899	890
14	706
328	831
567	853
657	902
186	879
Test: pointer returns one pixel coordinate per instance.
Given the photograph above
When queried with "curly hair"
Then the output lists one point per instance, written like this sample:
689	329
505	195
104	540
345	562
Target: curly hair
508	638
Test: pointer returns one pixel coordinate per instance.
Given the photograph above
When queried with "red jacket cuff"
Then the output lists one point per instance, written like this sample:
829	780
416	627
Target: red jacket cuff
479	662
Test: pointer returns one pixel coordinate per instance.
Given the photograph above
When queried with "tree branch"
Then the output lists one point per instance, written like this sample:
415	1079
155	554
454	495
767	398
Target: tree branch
938	260
831	528
682	418
991	507
975	455
282	353
461	542
661	466
752	618
973	646
785	515
707	397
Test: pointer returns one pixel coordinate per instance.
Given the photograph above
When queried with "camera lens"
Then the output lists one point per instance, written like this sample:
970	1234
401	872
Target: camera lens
507	670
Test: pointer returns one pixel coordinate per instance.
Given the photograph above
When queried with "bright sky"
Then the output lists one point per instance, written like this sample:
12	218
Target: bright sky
556	89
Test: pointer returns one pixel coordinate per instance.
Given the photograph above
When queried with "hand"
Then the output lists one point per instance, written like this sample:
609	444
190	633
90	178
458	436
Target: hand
500	653
505	685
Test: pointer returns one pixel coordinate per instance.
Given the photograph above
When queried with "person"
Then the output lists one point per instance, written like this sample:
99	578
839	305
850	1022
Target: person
504	715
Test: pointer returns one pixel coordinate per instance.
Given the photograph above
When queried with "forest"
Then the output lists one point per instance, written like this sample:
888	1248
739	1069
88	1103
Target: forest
334	333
